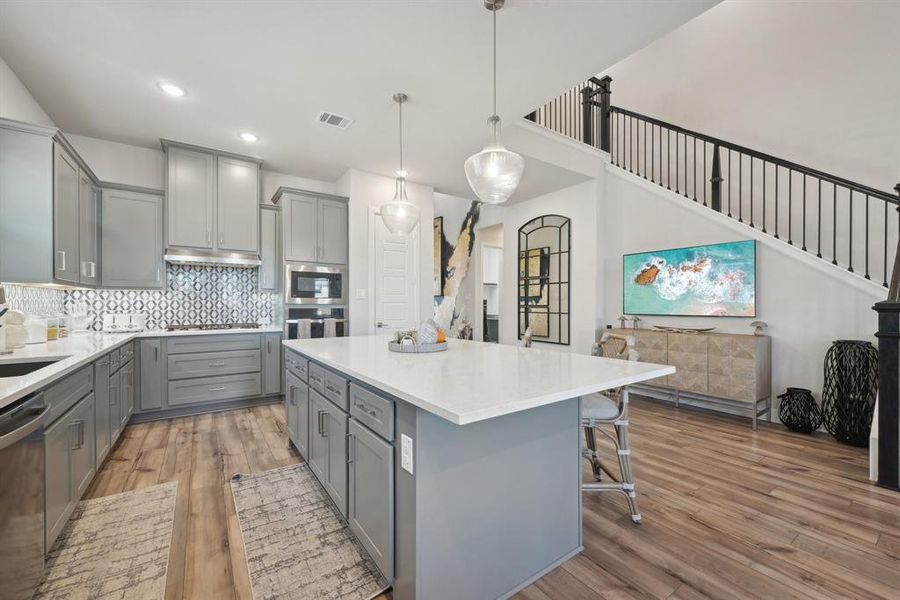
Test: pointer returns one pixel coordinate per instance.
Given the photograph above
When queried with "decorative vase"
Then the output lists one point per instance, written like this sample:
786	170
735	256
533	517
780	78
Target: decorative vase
798	410
851	385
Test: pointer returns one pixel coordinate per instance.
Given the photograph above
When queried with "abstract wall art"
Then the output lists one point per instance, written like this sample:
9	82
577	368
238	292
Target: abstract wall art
438	270
454	265
716	280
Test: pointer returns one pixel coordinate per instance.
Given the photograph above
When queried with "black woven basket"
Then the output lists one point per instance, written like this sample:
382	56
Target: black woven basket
798	410
851	385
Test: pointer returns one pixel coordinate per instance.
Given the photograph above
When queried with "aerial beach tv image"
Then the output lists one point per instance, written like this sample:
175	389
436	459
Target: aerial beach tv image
718	280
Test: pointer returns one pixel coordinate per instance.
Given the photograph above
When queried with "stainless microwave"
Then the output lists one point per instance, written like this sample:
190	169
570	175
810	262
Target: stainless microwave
306	283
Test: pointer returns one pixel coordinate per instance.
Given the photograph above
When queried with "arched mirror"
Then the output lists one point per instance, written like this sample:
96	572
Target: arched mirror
544	244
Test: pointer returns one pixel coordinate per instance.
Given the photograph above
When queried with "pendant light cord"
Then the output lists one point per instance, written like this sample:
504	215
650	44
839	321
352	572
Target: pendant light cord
494	11
400	107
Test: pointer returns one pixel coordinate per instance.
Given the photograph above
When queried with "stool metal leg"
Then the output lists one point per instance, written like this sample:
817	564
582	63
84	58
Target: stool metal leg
590	441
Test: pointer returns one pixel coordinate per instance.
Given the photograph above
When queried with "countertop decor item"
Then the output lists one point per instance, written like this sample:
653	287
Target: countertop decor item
798	410
428	338
400	215
851	386
759	328
495	172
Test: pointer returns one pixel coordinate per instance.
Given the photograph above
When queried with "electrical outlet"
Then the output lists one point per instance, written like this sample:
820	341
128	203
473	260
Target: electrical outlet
406	453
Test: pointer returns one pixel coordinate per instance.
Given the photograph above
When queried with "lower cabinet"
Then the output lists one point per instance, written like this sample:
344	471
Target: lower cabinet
102	423
153	374
115	420
370	474
328	448
126	393
271	367
70	464
297	413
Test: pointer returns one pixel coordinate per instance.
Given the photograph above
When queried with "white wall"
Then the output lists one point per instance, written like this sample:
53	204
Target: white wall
270	181
121	163
367	191
806	306
16	102
813	82
578	203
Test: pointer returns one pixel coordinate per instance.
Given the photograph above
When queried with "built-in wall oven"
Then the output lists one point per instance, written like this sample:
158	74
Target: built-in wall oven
307	283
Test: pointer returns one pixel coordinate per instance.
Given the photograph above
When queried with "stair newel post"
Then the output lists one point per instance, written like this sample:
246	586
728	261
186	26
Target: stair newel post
587	115
605	112
889	379
716	181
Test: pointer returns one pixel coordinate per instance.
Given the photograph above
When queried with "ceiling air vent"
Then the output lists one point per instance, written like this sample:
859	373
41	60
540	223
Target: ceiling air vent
335	120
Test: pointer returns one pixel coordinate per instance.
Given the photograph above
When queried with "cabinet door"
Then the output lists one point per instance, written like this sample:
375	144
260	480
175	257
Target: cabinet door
335	430
271	364
115	409
66	181
153	376
83	459
297	399
237	212
101	409
58	493
269	231
318	443
370	474
300	228
89	232
290	384
190	198
126	393
332	234
132	240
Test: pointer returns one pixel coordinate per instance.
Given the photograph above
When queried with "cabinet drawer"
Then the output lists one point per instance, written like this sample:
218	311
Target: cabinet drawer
316	375
213	389
297	365
212	343
63	394
336	390
372	410
126	353
205	364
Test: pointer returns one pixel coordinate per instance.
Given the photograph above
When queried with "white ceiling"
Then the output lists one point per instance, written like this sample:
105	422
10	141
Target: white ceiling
270	66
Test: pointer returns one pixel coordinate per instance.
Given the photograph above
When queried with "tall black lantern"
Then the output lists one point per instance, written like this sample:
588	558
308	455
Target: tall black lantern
851	385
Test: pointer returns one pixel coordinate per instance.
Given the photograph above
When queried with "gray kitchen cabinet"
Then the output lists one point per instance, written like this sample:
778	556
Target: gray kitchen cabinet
115	408
318	444
315	228
300	239
191	197
271	364
333	229
70	464
370	506
297	413
290	384
103	441
237	206
269	249
132	240
152	374
66	214
328	448
126	392
89	233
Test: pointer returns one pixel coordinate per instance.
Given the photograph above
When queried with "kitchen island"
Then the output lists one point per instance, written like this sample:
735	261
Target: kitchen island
458	471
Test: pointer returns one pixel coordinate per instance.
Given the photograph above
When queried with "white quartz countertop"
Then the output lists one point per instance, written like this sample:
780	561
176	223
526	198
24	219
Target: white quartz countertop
76	351
475	381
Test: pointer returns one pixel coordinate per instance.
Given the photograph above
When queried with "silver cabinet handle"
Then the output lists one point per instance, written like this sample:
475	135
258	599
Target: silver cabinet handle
74	445
60	260
220	388
291	394
93	269
350	442
81	434
269	346
221	238
217	364
156	353
208	237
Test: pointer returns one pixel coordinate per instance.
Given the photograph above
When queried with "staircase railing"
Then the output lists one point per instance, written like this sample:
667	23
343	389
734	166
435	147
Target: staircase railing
838	220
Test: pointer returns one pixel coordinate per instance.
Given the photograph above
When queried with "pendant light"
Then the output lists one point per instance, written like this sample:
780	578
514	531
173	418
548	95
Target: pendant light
495	172
400	215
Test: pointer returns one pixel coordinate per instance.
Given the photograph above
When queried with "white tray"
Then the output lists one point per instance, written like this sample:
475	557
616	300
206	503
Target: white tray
417	348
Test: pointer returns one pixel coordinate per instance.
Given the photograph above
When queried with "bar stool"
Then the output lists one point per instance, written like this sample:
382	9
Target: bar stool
610	408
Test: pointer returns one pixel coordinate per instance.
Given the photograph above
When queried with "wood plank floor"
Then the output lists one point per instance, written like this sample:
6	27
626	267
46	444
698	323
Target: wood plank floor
728	512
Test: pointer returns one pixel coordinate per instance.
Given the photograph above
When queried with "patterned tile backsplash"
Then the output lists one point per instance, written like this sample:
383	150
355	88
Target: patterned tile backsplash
193	294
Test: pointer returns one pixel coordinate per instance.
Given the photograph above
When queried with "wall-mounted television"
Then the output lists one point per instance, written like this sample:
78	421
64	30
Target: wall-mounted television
716	280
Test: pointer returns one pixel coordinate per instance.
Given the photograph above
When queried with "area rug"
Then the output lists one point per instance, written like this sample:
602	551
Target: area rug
296	545
113	547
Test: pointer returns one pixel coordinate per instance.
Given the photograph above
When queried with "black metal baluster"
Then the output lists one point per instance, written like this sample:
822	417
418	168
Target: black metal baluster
804	213
630	145
740	188
645	150
685	166
716	181
867	237
850	237
652	161
819	225
884	266
676	162
764	197
834	225
704	173
668	159
694	169
776	201
729	182
791	207
751	191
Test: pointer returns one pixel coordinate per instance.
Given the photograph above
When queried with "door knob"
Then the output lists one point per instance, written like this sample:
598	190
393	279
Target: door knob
381	324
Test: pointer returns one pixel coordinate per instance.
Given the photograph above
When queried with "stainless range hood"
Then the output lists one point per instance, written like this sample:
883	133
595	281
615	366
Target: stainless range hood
180	256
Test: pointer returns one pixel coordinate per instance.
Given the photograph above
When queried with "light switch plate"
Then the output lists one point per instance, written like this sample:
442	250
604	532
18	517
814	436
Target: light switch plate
406	453
361	293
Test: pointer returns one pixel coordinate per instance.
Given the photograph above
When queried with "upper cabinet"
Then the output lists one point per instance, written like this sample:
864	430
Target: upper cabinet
89	231
315	227
66	184
269	248
212	200
132	225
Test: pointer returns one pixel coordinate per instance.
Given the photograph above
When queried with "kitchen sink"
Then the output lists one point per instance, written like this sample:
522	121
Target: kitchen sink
17	369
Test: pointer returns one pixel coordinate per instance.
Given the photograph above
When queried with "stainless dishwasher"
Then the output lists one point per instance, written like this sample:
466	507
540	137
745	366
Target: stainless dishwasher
22	497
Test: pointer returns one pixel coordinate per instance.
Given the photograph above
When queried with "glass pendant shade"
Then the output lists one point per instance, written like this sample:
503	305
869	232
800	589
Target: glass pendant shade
400	216
495	172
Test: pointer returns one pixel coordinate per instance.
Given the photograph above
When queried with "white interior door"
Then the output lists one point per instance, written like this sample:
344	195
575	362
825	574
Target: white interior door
395	288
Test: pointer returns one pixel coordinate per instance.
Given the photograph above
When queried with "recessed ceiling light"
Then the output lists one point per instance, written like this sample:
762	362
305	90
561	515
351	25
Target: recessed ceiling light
249	137
171	89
